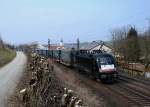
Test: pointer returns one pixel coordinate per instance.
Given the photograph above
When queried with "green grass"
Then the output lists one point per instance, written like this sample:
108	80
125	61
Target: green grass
6	56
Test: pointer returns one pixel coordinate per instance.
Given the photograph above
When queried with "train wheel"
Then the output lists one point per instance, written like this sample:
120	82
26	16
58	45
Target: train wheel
79	70
96	77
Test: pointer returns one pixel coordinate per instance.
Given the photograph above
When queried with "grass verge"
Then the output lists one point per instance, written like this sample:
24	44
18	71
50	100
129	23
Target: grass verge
6	55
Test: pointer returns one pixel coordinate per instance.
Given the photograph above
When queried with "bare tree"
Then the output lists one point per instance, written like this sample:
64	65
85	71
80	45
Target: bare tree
146	49
133	48
119	40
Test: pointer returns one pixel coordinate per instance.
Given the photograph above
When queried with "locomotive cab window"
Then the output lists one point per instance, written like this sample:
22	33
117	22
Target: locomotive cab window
105	60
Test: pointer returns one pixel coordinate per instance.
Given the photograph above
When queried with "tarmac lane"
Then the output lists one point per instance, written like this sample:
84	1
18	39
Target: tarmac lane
10	75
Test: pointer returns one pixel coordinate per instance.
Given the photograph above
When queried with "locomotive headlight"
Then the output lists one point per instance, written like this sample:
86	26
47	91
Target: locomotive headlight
100	70
103	76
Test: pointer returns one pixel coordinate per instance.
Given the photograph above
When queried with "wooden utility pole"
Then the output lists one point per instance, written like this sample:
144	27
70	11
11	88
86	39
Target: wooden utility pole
78	44
48	49
146	42
48	44
148	19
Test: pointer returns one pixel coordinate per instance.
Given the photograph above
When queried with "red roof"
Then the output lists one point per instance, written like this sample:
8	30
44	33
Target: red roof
54	47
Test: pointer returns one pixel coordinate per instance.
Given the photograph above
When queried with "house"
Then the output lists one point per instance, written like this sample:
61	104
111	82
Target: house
96	46
56	47
59	46
91	46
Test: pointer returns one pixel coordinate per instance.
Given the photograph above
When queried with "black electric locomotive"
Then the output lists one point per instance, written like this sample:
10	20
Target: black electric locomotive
98	65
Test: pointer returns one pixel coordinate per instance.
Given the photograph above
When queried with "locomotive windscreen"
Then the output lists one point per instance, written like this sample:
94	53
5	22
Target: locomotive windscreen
105	60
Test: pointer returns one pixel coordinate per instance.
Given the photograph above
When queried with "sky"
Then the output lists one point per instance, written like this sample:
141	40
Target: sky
25	21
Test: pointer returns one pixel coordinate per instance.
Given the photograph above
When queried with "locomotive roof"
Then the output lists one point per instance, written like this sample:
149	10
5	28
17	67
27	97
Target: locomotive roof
102	54
94	55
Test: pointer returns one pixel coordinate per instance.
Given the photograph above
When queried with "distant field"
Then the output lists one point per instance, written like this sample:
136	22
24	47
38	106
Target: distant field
6	56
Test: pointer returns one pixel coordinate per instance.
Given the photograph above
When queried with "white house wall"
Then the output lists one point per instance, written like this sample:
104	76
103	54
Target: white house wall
104	48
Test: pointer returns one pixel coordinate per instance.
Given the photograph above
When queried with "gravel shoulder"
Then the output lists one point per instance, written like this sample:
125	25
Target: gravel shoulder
76	82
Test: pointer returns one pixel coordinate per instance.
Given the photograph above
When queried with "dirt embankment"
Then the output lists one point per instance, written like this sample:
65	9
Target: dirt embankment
75	82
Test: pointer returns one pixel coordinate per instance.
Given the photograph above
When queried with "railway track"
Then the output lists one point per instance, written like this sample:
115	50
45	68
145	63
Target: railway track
135	84
136	94
127	91
143	81
134	97
136	91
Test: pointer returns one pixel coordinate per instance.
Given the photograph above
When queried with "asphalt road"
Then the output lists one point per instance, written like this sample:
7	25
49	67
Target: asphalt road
10	75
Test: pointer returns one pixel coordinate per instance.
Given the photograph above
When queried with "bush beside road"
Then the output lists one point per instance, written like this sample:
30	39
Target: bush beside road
39	87
6	55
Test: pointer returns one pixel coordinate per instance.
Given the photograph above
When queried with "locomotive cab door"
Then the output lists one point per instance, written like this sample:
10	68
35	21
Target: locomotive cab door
95	73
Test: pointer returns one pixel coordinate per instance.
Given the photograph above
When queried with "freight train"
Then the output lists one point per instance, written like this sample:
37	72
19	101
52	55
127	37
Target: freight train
96	64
